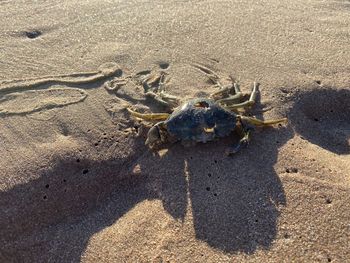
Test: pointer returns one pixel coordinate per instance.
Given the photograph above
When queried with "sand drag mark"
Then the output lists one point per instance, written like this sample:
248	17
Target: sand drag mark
103	72
36	100
31	95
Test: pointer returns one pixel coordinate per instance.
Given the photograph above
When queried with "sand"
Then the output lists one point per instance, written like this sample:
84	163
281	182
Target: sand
77	182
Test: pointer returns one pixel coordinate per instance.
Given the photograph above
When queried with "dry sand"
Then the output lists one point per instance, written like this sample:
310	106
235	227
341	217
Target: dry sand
77	182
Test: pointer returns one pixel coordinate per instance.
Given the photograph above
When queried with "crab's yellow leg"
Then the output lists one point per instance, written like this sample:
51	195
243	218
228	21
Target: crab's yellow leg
258	122
230	99
164	99
149	116
247	103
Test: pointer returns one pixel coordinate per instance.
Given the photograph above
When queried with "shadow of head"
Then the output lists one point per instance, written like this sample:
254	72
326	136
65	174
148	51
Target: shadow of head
68	202
232	201
322	116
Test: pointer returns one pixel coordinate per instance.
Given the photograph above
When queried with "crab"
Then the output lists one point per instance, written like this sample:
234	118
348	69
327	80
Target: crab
203	119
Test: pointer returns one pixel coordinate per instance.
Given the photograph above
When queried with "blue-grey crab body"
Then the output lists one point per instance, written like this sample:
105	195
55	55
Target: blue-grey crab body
200	120
204	119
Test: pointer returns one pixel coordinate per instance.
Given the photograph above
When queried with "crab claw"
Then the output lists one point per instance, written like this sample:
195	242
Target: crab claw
243	142
153	137
237	147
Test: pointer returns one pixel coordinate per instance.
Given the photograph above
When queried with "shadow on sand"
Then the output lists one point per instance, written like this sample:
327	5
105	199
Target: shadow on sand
322	116
234	200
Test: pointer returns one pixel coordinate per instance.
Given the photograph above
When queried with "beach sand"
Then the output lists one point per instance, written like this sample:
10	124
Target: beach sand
77	182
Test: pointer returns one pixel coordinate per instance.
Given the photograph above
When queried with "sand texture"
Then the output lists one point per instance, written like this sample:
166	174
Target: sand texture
78	184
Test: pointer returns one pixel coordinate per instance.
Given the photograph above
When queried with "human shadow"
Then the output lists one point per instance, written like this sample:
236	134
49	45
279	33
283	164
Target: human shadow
322	116
53	217
233	201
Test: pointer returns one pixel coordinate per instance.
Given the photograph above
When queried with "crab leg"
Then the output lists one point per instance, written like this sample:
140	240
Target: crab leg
249	102
158	94
164	99
209	73
231	99
149	116
245	132
260	123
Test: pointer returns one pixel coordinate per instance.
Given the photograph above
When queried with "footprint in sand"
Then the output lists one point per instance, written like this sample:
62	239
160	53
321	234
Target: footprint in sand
31	101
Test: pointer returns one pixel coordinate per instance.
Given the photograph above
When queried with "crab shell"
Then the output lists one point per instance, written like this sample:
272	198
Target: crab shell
200	120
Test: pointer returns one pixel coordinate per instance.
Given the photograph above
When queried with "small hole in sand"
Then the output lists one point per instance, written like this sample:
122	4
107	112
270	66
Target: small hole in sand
286	236
44	197
215	161
33	34
215	194
85	171
78	160
96	143
256	220
64	180
284	90
316	119
47	186
208	188
291	170
209	174
163	65
318	82
328	201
